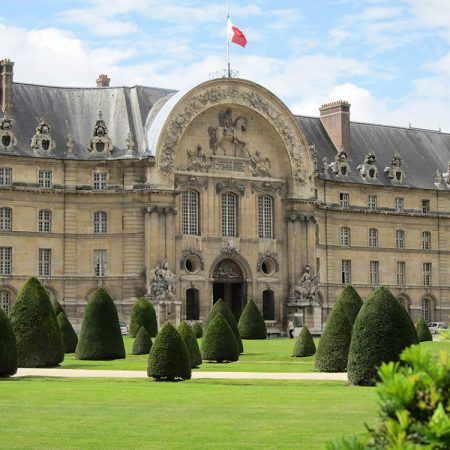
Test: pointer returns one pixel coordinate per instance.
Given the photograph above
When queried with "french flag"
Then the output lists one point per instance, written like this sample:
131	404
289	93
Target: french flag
235	34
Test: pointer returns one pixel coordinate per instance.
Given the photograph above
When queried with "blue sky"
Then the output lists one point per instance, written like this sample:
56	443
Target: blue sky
390	59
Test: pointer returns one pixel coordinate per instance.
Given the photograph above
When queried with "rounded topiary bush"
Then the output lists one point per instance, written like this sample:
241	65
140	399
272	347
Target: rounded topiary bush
169	358
219	343
333	348
33	320
197	329
69	337
381	331
423	332
143	315
304	344
251	323
190	340
221	307
100	337
143	343
8	347
350	301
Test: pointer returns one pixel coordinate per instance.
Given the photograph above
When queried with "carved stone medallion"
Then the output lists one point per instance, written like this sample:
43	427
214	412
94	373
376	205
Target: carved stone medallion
7	139
42	142
100	144
368	169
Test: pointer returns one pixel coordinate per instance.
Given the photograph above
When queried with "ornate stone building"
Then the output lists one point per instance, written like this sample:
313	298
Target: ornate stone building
216	192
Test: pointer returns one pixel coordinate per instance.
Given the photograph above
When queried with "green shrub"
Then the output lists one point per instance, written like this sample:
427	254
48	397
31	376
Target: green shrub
169	357
423	332
304	344
69	337
197	329
251	323
350	301
219	343
444	335
382	330
100	336
191	344
8	347
39	341
221	307
143	315
332	351
143	343
57	307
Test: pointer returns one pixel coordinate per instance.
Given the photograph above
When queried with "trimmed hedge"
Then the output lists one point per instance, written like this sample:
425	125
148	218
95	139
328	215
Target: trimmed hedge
191	343
382	330
8	347
57	307
351	302
219	343
221	307
39	341
143	315
143	343
251	323
423	332
333	348
304	344
69	337
100	336
169	358
197	329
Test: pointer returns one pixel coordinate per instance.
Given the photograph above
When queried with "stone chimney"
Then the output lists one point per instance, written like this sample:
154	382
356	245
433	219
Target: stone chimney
103	80
6	86
335	117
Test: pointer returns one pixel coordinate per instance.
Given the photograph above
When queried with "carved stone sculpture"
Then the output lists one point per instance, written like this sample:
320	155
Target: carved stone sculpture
313	151
100	144
130	143
69	145
7	139
42	141
368	169
394	171
446	176
162	282
260	166
230	248
307	287
340	166
197	160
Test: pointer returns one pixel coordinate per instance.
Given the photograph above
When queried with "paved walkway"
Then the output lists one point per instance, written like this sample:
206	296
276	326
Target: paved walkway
78	373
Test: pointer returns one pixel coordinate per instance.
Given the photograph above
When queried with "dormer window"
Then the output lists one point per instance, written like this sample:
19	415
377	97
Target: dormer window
42	141
340	166
369	170
394	171
100	144
7	139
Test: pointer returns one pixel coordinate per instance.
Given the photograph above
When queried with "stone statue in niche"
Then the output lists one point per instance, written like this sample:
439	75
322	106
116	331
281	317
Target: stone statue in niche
100	144
7	139
197	160
394	171
42	141
307	287
162	282
229	135
368	169
340	166
260	166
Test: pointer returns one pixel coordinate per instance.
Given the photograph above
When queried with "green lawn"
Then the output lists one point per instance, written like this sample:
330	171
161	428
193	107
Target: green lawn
44	413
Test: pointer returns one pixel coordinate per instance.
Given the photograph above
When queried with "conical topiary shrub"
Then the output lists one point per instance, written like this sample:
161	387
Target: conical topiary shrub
190	340
100	336
8	347
251	323
39	341
57	307
423	332
304	344
332	351
143	343
380	333
169	358
69	337
219	343
350	301
197	329
143	315
221	307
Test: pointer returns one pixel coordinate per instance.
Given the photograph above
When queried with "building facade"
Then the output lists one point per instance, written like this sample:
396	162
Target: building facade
217	192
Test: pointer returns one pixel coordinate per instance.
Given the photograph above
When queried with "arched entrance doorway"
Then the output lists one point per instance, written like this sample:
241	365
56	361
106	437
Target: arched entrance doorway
230	286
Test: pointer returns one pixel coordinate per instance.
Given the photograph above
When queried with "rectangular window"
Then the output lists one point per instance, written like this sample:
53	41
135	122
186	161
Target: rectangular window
374	277
427	274
425	206
5	176
189	212
344	200
426	240
265	217
346	271
45	221
100	263
45	179
229	214
401	273
345	236
45	262
372	202
5	260
400	238
373	237
100	181
399	204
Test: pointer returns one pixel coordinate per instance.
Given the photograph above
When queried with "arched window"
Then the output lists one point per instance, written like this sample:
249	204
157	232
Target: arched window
426	240
5	301
400	238
426	310
192	304
45	221
268	305
373	237
229	214
100	222
189	212
265	217
6	219
345	236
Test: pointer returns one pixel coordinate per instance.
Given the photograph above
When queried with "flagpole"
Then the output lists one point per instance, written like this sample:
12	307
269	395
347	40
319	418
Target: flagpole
228	42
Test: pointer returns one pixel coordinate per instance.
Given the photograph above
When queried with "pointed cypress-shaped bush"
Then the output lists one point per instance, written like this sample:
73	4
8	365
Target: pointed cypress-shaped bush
304	344
381	331
251	323
169	358
423	332
351	302
197	329
8	347
39	341
332	351
100	337
57	307
221	307
219	343
143	315
190	340
70	338
143	343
